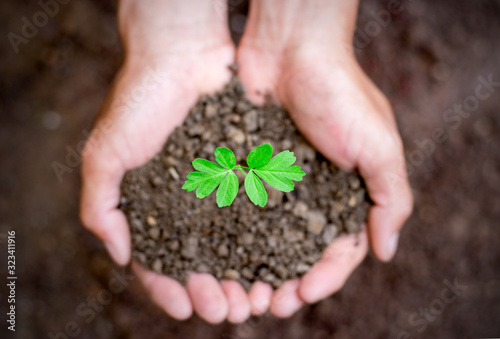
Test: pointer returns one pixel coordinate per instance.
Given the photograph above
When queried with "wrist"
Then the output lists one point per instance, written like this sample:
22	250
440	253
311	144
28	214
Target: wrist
158	27
292	24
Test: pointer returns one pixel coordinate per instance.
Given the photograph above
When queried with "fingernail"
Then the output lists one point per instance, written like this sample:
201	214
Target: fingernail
113	252
392	245
260	305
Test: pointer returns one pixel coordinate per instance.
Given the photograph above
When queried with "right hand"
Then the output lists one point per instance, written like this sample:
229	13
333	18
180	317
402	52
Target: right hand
175	51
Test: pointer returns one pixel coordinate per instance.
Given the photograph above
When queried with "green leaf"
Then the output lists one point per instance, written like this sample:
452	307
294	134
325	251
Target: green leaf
209	186
281	179
226	193
203	165
260	156
279	173
255	189
225	157
282	159
194	180
276	171
204	183
206	180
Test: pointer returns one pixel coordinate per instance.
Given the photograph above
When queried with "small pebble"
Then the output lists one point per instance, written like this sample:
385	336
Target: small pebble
222	250
274	198
231	274
300	209
329	233
354	182
156	181
190	248
157	265
352	201
202	268
151	221
210	111
251	120
196	130
169	161
236	135
272	242
154	233
338	207
352	226
304	152
302	268
316	221
173	173
173	245
247	273
281	271
138	225
286	144
245	239
294	235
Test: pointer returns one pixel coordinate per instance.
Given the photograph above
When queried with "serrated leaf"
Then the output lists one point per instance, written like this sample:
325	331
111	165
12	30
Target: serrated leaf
276	171
194	180
255	189
281	179
279	173
204	183
260	156
206	180
203	165
225	157
226	193
209	186
278	181
280	160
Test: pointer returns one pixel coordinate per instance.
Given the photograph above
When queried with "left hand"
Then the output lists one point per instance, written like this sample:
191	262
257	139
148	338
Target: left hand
342	113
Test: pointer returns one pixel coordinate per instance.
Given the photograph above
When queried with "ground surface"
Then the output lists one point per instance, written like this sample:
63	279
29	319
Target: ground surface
427	59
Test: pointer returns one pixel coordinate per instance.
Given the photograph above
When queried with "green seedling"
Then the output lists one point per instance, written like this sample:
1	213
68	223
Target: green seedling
277	171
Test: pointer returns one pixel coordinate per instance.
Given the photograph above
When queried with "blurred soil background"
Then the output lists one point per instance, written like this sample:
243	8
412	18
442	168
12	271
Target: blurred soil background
426	59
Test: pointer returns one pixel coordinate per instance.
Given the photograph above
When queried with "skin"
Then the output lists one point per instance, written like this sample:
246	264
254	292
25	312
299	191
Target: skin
295	52
298	54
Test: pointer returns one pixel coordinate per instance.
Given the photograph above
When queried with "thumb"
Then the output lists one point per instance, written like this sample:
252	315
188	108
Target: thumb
383	170
121	141
102	172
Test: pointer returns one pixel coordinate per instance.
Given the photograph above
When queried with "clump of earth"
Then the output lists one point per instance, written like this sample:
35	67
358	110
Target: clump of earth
175	233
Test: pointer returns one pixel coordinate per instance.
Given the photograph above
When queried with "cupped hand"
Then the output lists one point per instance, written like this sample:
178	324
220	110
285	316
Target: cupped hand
343	114
169	63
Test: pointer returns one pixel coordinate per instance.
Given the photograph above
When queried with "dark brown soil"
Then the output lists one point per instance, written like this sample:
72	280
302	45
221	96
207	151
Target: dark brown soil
427	59
174	232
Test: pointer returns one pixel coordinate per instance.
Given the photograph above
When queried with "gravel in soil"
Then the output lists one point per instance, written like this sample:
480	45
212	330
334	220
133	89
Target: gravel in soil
175	233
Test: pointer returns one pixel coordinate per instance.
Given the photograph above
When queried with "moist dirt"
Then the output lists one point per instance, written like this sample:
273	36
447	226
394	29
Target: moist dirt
175	233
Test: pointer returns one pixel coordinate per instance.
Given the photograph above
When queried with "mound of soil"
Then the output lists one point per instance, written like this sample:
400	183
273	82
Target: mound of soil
174	232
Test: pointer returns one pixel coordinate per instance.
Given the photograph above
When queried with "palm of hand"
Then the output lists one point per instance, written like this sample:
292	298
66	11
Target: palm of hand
149	98
349	121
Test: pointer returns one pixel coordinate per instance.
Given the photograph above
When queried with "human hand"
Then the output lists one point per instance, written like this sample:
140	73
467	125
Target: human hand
175	51
296	51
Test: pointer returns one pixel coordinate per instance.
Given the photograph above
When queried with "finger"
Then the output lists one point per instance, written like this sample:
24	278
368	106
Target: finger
99	199
166	292
388	186
239	305
285	300
207	297
260	297
329	274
